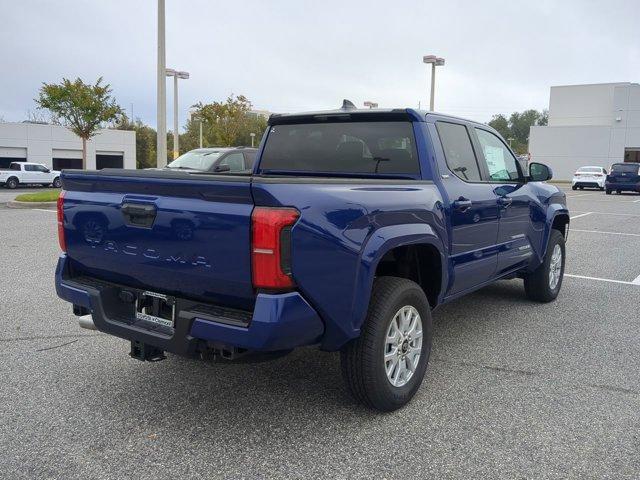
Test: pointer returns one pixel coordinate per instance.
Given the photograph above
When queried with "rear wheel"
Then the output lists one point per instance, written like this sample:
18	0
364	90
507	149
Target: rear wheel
573	187
384	367
543	284
12	183
619	192
57	183
608	192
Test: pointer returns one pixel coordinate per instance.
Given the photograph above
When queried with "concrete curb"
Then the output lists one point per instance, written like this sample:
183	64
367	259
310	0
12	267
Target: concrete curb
17	204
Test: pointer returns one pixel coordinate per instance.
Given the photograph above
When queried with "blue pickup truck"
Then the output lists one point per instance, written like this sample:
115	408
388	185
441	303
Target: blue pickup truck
352	227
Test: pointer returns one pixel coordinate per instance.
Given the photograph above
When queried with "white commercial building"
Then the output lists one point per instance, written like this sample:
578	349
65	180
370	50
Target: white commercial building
596	124
57	147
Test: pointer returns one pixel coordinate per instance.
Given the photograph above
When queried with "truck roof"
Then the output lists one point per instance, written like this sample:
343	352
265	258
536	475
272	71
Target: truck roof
376	114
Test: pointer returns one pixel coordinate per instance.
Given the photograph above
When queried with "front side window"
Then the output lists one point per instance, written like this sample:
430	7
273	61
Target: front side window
501	164
458	151
342	147
235	162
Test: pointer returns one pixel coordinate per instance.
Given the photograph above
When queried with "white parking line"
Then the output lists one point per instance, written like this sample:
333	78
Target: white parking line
609	280
606	233
44	210
611	213
581	215
636	281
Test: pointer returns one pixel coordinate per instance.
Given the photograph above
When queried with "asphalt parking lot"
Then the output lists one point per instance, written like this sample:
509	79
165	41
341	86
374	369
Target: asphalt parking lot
514	389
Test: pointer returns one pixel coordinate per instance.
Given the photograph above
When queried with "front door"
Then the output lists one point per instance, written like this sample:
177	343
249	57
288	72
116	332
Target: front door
522	218
474	210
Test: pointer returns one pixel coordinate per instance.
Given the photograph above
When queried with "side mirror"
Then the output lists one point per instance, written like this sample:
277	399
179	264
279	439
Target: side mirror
222	168
46	170
539	172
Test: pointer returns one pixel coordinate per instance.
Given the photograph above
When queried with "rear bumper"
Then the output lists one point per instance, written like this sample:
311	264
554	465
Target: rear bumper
631	186
590	183
279	321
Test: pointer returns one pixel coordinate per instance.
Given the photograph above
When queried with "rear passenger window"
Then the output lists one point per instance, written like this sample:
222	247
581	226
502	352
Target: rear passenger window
458	151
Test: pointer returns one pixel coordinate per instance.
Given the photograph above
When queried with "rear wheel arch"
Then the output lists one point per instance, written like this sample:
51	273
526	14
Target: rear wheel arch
418	262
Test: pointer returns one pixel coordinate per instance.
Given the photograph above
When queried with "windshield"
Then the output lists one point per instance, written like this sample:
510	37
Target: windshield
196	160
589	169
625	167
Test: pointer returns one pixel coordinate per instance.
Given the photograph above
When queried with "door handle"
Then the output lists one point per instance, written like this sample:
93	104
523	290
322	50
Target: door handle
462	204
505	201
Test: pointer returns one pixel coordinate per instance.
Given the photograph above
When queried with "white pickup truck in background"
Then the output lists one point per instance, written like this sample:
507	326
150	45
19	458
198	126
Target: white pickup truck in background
27	173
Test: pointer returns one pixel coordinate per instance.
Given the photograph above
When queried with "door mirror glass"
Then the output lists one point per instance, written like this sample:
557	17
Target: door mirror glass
539	172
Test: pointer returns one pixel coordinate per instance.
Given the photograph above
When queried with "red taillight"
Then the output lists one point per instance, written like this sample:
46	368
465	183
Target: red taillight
60	205
271	246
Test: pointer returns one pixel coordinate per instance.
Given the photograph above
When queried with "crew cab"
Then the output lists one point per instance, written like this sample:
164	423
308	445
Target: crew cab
351	228
623	177
27	173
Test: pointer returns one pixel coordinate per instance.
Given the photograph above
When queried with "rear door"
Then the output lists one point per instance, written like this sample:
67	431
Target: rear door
474	209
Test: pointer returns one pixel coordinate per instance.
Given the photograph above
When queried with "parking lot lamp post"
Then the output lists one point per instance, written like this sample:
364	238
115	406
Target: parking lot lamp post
510	139
200	133
176	139
161	107
435	62
253	135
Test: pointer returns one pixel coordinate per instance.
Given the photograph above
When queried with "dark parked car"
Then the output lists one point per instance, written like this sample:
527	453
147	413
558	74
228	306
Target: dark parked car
623	177
236	160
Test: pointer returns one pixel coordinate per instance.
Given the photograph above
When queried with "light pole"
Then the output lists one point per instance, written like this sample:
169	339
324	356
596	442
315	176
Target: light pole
370	104
253	135
176	139
435	62
161	143
510	139
200	133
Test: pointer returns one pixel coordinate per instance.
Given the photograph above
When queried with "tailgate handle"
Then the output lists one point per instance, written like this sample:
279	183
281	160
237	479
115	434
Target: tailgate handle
139	214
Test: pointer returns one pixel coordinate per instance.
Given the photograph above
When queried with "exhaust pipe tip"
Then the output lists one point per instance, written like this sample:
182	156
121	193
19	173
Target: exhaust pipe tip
86	321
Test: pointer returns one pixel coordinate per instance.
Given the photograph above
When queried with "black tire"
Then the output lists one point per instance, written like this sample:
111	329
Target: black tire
608	192
537	283
363	364
12	183
601	189
581	188
573	187
619	192
57	183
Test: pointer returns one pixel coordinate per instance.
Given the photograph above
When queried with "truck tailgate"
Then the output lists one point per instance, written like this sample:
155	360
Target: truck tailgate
165	232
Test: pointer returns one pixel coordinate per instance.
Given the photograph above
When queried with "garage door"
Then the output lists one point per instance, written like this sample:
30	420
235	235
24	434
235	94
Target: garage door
67	163
12	154
109	161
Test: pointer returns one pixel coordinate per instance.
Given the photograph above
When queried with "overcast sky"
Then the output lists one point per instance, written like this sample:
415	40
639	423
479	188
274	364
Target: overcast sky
291	55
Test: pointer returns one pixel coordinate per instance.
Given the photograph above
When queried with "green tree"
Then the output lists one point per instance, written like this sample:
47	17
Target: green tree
146	138
227	123
501	124
81	107
517	127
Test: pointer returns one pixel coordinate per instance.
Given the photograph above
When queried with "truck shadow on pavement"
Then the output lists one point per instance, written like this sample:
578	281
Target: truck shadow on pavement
291	393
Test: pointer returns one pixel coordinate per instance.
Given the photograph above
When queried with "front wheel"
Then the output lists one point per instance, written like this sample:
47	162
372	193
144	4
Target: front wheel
384	367
608	192
57	183
543	284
